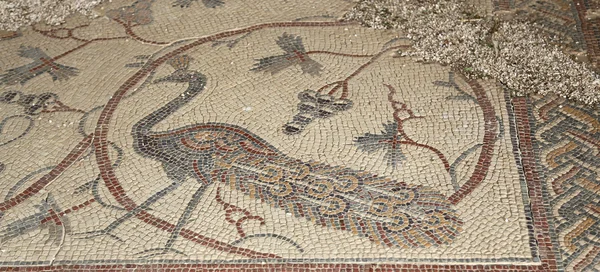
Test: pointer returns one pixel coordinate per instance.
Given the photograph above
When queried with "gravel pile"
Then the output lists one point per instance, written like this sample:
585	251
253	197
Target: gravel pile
513	52
17	13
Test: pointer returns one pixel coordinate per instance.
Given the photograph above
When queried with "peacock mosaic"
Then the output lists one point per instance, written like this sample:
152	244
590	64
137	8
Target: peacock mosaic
244	134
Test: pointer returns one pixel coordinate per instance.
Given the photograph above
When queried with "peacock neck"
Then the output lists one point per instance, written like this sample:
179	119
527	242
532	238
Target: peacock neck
145	125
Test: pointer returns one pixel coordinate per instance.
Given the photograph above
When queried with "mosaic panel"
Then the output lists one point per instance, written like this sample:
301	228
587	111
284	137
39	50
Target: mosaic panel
247	135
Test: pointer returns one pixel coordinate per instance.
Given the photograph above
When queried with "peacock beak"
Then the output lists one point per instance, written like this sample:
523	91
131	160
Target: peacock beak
182	76
176	76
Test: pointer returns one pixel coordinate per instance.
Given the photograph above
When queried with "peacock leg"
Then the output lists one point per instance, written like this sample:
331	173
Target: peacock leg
144	206
183	219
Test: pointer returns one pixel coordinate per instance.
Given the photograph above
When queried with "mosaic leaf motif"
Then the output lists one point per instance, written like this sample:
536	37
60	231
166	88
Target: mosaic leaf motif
295	54
231	43
372	142
42	63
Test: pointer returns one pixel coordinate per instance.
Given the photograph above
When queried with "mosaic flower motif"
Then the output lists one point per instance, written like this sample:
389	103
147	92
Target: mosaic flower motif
138	13
207	3
295	54
47	218
42	63
387	140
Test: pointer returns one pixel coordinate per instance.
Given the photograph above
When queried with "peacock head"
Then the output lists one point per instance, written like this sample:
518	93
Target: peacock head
182	74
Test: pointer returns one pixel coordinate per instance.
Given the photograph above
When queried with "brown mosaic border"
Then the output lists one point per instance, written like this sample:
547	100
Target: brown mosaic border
521	111
534	183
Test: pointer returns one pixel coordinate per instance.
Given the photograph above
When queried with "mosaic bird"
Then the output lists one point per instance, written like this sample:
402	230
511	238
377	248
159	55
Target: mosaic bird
42	63
387	212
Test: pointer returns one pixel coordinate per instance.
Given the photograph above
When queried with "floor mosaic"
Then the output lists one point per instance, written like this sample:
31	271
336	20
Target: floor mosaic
267	135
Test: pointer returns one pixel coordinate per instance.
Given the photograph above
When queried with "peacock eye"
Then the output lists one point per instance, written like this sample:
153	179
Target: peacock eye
381	207
204	136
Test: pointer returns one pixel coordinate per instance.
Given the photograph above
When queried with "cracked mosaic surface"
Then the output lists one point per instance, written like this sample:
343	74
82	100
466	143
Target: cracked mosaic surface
268	135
